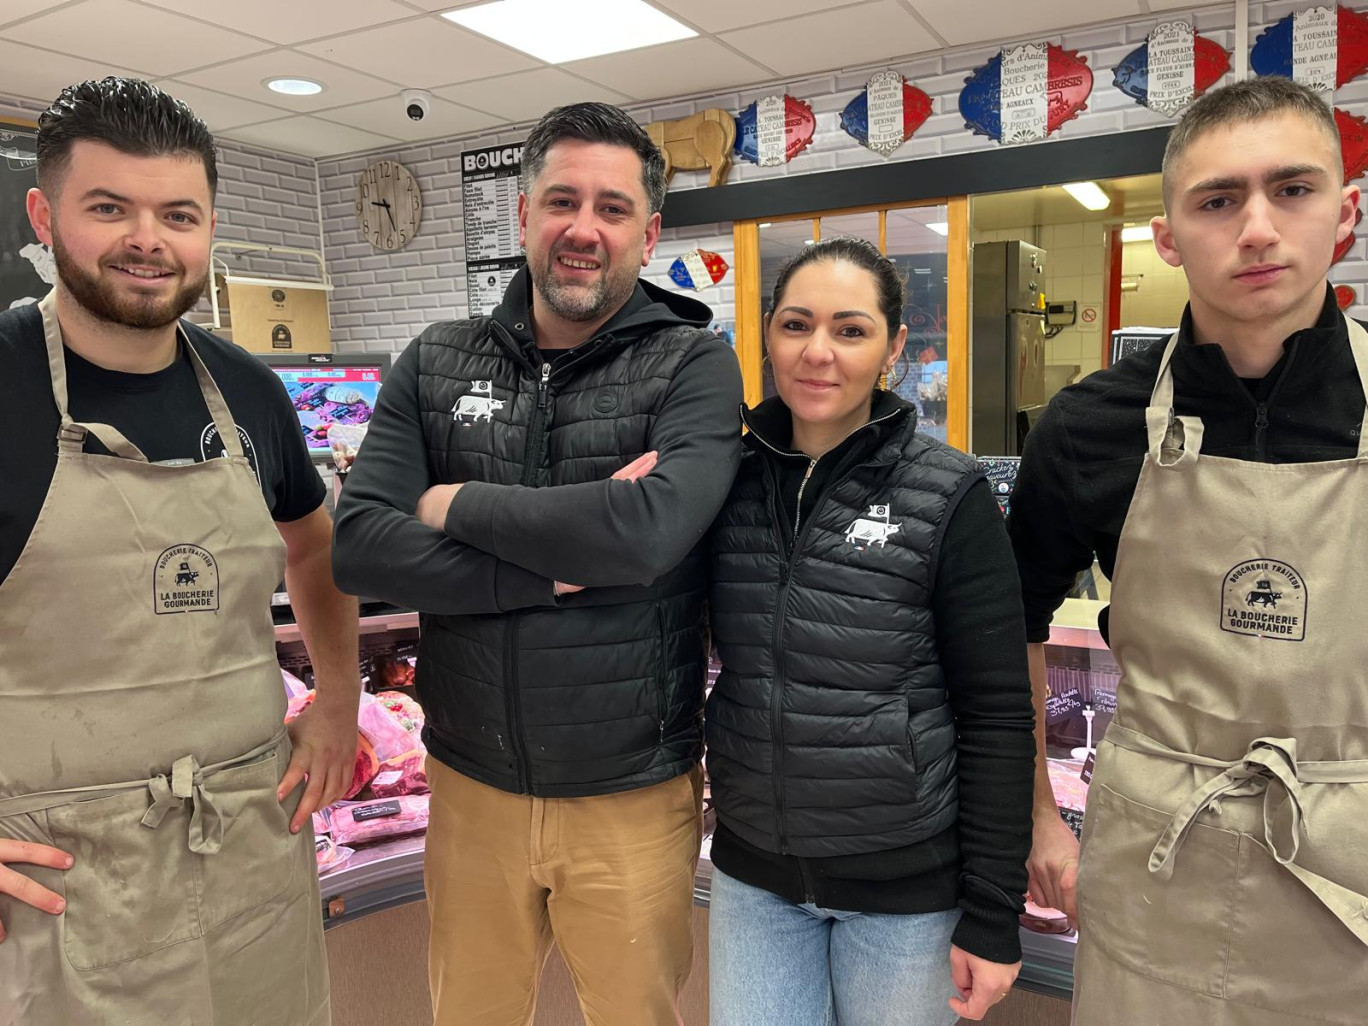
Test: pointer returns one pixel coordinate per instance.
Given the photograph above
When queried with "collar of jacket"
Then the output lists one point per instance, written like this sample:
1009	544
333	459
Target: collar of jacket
648	309
1201	370
769	429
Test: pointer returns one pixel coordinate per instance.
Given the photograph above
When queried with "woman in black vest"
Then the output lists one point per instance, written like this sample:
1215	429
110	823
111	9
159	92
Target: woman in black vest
869	739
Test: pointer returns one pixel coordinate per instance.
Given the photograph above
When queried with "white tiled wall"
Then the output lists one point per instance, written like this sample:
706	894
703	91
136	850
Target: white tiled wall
1162	290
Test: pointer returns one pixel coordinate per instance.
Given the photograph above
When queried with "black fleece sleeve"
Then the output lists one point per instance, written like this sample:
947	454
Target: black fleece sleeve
607	533
981	640
1051	548
381	550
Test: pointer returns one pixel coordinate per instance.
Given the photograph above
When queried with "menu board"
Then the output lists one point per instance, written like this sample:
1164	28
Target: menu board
489	199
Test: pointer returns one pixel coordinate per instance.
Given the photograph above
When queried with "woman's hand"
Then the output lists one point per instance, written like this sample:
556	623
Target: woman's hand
981	983
16	885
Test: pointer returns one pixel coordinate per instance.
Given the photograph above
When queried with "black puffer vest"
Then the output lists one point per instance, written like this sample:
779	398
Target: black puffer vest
605	695
829	729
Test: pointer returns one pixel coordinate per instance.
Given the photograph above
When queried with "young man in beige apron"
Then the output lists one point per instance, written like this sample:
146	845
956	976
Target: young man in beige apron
149	872
1224	873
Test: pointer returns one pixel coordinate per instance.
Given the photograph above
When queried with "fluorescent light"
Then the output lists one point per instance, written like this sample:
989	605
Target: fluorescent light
766	224
1136	233
809	242
1089	194
940	227
557	31
295	86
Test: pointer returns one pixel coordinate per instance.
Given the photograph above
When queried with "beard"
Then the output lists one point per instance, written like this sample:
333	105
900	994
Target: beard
581	303
104	300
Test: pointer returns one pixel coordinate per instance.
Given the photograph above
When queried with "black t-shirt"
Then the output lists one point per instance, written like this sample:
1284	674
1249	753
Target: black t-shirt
162	413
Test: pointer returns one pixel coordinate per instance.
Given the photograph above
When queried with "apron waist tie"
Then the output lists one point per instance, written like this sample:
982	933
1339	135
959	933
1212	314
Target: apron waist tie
187	782
1269	767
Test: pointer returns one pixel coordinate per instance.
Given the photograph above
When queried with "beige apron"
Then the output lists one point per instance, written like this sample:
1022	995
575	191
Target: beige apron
136	648
1225	849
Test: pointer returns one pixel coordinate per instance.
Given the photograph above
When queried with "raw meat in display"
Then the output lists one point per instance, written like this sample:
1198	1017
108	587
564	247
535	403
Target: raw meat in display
358	822
330	855
392	742
407	777
367	766
404	709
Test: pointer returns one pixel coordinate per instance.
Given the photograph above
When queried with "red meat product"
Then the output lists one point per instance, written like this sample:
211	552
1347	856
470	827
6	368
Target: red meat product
358	822
406	777
382	730
367	766
330	855
1069	790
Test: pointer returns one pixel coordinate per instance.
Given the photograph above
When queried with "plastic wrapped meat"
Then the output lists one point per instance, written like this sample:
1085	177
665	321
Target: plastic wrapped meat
1071	793
392	742
294	687
330	855
367	762
407	777
357	822
404	709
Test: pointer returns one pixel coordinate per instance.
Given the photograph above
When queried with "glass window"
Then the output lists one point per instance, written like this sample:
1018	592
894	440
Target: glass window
917	243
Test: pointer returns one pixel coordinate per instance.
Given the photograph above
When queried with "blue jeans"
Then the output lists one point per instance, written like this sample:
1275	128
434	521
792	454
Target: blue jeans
774	963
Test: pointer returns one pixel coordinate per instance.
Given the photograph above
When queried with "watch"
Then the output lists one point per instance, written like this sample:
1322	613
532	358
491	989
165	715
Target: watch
389	206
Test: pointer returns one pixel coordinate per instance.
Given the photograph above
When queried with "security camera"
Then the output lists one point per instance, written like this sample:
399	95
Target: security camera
417	103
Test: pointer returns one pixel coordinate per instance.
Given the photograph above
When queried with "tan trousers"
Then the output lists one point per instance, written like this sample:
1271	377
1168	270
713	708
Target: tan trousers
609	878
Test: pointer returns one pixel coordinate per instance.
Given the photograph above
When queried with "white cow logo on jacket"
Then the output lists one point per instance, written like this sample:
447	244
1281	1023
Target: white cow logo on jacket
872	529
478	405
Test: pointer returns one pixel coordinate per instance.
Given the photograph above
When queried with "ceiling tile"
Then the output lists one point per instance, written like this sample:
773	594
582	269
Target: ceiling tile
421	54
218	110
721	15
670	69
14	10
387	117
41	75
308	136
126	33
1172	5
528	95
245	77
961	22
444	5
834	39
290	22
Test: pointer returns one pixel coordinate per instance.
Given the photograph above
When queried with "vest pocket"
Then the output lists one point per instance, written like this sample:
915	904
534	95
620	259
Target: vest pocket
131	890
1176	930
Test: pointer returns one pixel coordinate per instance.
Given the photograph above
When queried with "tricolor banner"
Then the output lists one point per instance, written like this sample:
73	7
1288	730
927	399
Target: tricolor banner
774	130
1322	47
886	113
1025	93
697	269
1172	68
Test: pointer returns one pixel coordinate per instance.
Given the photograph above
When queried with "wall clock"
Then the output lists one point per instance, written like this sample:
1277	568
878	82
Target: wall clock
388	205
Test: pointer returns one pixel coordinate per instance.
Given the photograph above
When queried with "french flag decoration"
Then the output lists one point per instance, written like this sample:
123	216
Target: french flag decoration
697	269
886	113
1353	133
774	130
1322	47
1025	93
1173	67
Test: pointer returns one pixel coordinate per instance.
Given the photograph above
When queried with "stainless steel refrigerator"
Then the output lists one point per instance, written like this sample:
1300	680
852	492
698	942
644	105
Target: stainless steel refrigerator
1007	345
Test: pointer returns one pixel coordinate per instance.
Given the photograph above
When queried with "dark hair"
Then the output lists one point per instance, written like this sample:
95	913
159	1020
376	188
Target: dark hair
1247	100
594	123
864	255
133	116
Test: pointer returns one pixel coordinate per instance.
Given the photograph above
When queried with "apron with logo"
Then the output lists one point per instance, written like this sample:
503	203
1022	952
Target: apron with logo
140	730
1224	874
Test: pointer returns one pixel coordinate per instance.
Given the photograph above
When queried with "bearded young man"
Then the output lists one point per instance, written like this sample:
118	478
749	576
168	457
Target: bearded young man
1221	481
538	483
155	855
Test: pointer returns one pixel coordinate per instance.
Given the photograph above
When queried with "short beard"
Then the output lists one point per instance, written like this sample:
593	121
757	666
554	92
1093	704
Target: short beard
103	302
577	304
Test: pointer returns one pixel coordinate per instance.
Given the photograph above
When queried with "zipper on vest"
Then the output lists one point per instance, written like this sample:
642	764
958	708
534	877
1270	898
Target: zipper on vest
808	895
542	387
798	515
536	430
776	704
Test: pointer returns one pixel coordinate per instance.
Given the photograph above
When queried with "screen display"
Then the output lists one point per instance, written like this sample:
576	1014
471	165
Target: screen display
323	396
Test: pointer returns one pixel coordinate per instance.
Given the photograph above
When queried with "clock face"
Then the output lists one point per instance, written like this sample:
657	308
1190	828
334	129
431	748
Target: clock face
388	205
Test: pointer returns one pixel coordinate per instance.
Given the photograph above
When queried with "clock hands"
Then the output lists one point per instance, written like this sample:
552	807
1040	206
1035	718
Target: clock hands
388	210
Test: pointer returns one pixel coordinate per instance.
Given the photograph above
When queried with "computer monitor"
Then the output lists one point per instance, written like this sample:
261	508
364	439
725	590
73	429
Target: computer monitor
329	389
